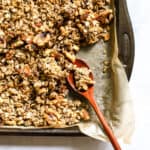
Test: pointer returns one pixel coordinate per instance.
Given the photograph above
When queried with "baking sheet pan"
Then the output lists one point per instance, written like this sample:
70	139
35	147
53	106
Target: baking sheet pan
126	55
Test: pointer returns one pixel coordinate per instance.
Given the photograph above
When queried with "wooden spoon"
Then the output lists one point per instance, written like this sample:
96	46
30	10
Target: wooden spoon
89	95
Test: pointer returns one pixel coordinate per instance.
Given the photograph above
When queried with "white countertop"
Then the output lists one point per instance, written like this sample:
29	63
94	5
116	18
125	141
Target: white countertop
140	88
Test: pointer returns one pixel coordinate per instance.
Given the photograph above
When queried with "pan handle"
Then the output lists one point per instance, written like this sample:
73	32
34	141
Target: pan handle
125	36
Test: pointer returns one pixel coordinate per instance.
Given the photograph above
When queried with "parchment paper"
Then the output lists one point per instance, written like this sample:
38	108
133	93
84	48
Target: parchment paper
111	91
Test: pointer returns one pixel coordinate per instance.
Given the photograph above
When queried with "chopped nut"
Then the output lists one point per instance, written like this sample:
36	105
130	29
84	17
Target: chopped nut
70	56
10	54
106	36
10	122
85	114
17	44
41	39
26	70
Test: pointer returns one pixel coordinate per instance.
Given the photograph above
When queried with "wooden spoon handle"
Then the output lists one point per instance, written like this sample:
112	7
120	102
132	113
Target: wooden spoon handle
105	125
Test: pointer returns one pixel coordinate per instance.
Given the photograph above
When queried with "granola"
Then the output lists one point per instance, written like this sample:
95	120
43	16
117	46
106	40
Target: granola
38	45
82	78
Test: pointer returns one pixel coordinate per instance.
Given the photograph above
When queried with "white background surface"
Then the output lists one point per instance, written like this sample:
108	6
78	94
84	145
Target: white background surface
140	88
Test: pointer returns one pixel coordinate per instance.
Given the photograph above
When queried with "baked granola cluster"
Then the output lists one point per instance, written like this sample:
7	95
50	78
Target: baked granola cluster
38	43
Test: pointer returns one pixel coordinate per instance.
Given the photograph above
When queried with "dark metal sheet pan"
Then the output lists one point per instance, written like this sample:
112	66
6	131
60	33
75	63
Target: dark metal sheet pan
126	55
